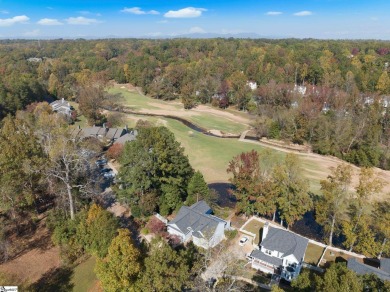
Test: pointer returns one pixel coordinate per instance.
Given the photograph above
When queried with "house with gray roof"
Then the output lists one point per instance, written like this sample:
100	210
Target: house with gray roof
383	272
197	223
280	251
62	107
131	136
104	134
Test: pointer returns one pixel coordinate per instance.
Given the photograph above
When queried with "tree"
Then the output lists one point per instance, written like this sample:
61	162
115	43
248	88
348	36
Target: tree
155	162
246	173
71	171
332	204
293	197
165	269
383	85
338	278
21	161
99	228
115	151
197	189
381	216
119	270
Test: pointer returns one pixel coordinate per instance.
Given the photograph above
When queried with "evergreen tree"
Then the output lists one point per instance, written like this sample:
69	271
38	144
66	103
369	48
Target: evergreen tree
197	189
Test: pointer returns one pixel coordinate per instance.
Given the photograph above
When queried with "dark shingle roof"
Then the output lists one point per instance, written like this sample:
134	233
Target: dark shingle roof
201	207
385	265
285	242
258	254
126	138
362	269
190	218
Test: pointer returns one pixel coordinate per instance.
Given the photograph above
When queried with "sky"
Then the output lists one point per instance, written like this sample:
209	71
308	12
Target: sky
322	19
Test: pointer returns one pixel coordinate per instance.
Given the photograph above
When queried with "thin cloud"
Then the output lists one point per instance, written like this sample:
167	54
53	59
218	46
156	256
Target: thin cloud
197	29
189	12
49	21
14	20
32	33
138	11
86	12
4	11
274	13
303	13
81	20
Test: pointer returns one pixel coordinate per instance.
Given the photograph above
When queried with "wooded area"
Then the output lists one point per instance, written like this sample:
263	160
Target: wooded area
340	105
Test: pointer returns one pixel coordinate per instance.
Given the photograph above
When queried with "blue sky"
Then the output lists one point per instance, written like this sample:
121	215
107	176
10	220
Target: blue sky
269	18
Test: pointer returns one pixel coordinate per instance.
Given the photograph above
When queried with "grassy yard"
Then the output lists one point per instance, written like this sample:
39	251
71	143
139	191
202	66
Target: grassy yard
255	226
313	254
332	256
84	277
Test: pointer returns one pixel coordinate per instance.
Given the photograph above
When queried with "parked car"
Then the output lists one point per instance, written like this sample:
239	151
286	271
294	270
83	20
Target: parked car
105	170
101	162
243	240
109	174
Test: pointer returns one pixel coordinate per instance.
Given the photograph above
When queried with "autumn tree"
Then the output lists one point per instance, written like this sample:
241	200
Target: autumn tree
119	270
293	197
381	215
165	269
99	228
115	151
332	204
338	278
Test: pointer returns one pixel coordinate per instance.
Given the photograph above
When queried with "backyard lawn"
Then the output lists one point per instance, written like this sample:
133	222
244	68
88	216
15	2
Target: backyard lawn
313	253
254	226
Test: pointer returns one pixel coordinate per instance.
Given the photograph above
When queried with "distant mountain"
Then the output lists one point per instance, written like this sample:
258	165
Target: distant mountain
215	35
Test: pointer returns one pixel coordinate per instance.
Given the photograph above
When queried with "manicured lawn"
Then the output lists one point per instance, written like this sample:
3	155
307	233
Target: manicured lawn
208	121
254	226
313	253
84	277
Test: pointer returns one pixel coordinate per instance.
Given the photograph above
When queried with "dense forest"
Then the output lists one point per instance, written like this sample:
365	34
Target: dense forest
333	95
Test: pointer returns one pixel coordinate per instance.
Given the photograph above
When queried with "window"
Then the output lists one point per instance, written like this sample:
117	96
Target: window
268	252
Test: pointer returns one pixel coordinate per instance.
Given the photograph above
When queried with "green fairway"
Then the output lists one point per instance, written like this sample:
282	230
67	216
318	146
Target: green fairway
84	277
208	121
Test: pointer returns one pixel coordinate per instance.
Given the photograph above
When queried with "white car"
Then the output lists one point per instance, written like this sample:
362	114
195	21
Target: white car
243	240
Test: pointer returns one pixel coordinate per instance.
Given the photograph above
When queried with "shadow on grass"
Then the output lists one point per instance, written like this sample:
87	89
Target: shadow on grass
58	280
225	198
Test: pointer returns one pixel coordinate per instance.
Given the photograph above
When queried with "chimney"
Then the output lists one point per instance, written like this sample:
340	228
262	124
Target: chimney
104	126
127	129
62	100
265	230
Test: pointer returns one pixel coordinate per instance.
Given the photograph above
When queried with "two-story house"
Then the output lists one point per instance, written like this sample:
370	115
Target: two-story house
280	251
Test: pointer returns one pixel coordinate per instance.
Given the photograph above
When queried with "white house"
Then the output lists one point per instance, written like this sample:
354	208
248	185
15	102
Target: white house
197	223
62	107
280	251
301	89
252	85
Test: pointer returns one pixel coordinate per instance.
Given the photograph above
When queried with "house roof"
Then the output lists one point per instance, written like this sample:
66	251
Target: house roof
132	136
285	242
61	106
192	218
385	265
258	254
362	269
201	207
